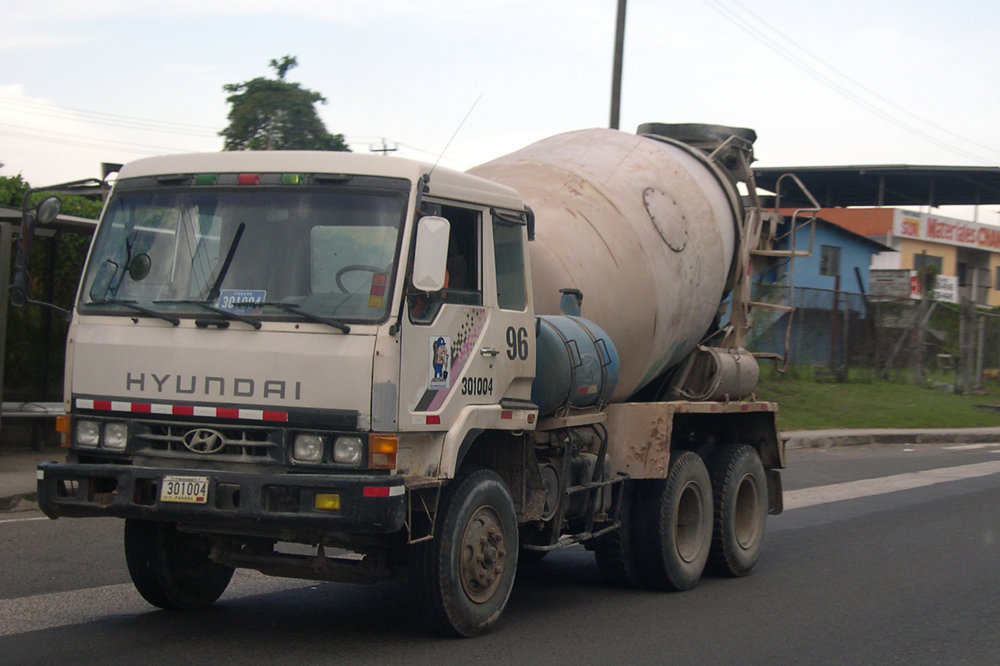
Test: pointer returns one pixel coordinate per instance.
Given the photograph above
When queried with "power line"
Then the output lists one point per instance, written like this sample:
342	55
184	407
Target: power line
102	118
899	107
384	148
64	138
132	122
842	90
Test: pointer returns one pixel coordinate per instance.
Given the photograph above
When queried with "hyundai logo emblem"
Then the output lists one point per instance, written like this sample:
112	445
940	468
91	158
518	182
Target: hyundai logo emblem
204	441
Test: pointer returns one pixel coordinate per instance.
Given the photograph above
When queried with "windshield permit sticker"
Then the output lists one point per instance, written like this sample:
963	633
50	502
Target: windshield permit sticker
377	290
242	301
440	357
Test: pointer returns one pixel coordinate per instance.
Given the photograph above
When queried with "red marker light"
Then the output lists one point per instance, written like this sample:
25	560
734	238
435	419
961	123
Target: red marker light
248	179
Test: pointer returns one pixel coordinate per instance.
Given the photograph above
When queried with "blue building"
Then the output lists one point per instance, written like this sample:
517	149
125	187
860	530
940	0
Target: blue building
825	282
834	258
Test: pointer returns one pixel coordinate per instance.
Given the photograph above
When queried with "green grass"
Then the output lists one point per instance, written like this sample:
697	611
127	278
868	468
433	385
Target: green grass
807	404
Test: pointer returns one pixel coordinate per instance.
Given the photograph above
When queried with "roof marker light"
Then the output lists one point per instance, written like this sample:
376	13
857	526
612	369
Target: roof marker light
248	179
206	179
293	179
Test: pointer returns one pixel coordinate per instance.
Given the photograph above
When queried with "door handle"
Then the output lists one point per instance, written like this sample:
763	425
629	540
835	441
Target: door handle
489	351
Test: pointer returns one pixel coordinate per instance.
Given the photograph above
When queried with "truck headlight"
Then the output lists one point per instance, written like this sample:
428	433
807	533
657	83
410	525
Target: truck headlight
88	434
115	435
347	450
308	448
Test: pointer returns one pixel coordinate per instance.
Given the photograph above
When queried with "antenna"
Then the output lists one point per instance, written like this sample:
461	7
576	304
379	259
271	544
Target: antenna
457	129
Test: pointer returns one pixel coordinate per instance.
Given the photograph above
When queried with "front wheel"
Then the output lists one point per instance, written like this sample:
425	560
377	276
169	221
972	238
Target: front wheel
171	569
461	579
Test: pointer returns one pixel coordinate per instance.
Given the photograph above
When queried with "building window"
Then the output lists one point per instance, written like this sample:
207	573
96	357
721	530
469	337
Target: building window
829	260
924	259
996	283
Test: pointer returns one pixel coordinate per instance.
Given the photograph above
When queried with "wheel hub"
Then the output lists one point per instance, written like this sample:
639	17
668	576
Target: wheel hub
483	555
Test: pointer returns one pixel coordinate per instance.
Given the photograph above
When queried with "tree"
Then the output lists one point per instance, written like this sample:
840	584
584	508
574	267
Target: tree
275	114
12	188
36	340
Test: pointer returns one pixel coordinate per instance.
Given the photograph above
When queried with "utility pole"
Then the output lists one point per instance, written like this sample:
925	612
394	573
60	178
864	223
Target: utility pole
616	72
385	148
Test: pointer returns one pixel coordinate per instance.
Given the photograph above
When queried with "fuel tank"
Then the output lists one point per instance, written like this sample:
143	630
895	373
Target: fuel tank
645	227
577	365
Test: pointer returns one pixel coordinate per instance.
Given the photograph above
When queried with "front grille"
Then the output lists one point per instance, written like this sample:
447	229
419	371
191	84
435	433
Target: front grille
235	443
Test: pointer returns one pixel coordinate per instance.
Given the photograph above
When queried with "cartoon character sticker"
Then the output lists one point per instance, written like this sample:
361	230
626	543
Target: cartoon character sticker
440	367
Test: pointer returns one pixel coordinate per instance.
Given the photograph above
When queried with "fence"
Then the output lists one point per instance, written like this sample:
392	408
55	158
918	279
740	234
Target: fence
897	339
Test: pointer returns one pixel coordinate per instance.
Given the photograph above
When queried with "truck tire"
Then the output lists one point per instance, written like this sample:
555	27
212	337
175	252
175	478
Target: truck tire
171	569
673	525
615	552
739	490
462	578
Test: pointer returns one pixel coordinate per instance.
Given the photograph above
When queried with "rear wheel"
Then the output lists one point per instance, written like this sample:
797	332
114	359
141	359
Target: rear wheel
171	569
673	524
740	492
461	579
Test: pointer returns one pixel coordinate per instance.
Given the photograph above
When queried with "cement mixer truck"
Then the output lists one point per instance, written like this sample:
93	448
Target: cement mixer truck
351	367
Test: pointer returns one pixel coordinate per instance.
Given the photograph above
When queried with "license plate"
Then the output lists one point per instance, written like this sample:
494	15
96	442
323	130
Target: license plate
185	489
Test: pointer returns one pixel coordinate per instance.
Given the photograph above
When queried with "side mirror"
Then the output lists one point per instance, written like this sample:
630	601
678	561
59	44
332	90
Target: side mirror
48	209
430	257
44	213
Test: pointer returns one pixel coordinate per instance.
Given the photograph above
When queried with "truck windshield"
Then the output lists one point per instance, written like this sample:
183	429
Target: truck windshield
258	253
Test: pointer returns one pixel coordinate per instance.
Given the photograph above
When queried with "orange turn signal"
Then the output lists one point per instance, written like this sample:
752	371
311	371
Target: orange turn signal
382	451
63	428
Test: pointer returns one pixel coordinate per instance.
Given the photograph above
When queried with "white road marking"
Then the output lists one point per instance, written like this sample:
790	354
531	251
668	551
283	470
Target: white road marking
22	520
798	499
971	447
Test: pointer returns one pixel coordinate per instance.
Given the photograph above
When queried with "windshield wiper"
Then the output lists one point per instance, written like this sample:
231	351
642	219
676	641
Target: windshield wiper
140	309
294	309
214	291
226	314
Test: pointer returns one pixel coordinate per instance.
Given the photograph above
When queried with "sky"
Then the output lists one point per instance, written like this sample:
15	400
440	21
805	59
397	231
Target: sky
464	81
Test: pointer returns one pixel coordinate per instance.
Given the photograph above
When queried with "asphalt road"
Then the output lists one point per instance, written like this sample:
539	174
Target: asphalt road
886	554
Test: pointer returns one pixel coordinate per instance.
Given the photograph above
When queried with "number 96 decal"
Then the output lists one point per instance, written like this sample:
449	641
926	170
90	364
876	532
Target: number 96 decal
477	385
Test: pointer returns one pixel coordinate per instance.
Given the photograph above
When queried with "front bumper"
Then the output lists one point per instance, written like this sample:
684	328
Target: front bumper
281	506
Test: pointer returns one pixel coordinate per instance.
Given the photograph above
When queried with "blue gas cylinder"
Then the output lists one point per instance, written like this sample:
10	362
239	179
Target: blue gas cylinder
576	364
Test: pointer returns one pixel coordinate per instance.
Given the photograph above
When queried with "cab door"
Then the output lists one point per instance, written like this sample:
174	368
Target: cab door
460	349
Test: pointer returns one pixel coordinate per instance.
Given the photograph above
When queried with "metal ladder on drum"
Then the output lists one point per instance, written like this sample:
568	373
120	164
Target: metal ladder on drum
760	255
